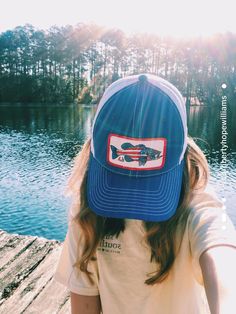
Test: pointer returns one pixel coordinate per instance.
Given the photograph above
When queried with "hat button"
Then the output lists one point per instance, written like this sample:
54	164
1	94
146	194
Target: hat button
142	78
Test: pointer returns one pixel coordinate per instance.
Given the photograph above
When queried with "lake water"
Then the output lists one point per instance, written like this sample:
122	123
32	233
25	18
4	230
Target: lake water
38	144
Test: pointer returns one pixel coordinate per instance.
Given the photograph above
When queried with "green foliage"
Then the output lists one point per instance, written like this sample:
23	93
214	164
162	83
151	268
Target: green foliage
86	96
64	64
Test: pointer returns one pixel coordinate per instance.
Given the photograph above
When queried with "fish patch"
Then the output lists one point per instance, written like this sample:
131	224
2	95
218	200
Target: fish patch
136	153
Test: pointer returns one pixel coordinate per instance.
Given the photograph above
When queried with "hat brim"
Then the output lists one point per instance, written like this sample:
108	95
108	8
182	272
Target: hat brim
151	198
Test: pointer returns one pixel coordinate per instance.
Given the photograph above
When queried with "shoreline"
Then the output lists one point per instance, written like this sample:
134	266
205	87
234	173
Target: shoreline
37	104
44	104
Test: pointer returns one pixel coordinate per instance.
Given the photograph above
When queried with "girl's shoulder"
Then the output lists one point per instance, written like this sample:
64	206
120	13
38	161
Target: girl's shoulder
205	205
205	198
208	217
208	225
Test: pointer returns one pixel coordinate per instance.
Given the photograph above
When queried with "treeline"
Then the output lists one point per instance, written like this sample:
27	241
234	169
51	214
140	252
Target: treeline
66	64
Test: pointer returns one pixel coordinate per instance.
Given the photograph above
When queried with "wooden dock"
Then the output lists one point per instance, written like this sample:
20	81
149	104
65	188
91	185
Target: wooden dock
27	265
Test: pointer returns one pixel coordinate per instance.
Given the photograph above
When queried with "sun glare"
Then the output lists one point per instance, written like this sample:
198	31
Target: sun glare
183	18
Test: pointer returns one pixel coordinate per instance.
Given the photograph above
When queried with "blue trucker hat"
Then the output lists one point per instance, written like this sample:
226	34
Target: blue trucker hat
139	137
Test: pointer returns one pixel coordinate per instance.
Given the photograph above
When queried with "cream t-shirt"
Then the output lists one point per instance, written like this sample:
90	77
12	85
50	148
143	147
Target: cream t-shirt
123	264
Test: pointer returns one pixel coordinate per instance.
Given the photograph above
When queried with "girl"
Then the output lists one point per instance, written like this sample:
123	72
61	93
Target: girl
145	234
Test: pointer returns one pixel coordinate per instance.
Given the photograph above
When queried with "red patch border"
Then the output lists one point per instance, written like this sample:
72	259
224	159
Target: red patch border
141	139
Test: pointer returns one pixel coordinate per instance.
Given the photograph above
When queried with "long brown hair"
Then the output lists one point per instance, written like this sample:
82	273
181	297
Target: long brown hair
161	236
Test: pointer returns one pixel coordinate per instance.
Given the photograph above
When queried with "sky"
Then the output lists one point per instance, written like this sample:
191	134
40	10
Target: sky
182	18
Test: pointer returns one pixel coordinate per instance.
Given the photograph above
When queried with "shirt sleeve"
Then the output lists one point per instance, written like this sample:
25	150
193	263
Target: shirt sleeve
67	273
208	227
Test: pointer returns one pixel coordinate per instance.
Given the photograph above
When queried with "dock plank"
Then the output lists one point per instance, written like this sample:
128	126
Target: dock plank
66	307
12	275
29	290
26	276
54	298
12	247
2	234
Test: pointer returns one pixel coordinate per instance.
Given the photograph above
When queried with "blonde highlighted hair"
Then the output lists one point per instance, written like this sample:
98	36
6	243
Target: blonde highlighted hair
161	236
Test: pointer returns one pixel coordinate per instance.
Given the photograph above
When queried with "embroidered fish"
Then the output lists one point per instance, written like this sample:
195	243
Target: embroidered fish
140	153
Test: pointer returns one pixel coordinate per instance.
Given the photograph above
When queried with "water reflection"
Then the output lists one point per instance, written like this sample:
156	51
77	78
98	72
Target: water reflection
38	144
205	124
66	120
